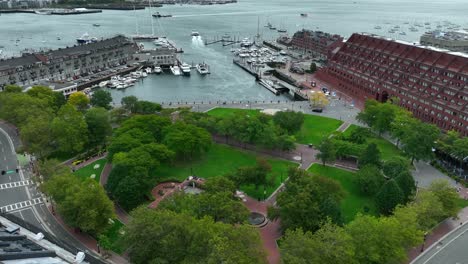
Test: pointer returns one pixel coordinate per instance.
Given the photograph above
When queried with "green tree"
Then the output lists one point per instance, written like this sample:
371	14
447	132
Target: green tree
329	245
50	167
55	99
101	98
359	135
370	179
18	108
369	115
256	175
290	121
219	184
129	103
419	140
300	204
79	100
394	166
447	195
407	185
327	152
36	136
400	123
460	149
385	117
70	130
370	156
429	209
99	127
11	88
161	236
146	107
313	67
187	140
389	196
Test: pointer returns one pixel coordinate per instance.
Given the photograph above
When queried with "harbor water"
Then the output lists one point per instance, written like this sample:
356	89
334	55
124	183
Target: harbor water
227	81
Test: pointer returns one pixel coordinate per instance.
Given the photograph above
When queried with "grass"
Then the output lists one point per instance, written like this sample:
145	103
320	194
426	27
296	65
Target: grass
89	170
462	203
221	160
113	233
387	148
354	201
225	112
315	128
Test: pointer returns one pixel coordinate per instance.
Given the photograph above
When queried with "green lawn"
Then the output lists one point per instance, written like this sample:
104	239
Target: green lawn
113	233
354	202
225	112
89	170
315	128
223	159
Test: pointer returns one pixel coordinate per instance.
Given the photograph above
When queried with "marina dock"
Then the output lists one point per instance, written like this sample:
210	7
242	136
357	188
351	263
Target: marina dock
247	69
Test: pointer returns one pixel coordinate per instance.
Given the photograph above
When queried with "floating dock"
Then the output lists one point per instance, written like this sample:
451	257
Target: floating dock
247	69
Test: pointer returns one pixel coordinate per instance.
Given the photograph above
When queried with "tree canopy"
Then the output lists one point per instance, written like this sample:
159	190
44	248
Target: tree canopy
101	98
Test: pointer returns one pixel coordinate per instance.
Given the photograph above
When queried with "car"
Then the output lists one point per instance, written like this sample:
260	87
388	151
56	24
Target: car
317	110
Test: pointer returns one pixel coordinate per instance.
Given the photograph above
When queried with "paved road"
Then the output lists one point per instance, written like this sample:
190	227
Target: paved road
450	250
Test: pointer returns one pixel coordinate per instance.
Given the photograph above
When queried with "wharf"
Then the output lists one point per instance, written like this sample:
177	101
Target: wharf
247	69
96	81
60	12
11	11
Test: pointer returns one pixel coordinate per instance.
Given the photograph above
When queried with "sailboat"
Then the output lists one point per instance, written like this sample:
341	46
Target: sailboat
139	36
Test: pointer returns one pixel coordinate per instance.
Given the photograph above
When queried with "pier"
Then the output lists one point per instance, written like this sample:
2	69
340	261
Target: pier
247	69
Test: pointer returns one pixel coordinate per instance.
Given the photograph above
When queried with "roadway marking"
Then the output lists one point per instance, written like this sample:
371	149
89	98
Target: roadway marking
19	205
446	244
10	185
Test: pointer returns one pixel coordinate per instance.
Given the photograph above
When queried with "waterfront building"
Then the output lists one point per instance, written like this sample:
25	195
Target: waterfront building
66	64
316	43
430	83
454	41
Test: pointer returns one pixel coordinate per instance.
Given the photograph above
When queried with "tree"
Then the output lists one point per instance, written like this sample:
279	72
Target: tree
11	88
313	67
219	184
99	127
394	166
385	117
70	130
429	210
329	245
50	167
447	195
370	156
419	140
187	140
17	108
101	98
54	99
359	135
368	116
318	99
289	120
407	185
327	151
301	202
146	107
256	175
460	149
129	103
399	126
389	196
36	136
79	100
118	115
370	179
162	236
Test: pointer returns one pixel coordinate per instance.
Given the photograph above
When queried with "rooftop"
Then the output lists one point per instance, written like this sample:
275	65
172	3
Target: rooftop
452	35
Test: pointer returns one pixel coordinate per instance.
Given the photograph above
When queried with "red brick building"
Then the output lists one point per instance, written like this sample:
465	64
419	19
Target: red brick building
316	43
431	84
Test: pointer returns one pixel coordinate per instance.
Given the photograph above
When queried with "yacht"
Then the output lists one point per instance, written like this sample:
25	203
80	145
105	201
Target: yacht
148	70
282	30
144	74
202	68
195	34
377	27
185	69
96	25
85	39
403	33
303	14
157	69
246	43
175	70
103	84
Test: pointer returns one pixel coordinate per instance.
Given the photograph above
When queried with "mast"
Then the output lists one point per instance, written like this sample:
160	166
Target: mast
136	19
151	17
258	27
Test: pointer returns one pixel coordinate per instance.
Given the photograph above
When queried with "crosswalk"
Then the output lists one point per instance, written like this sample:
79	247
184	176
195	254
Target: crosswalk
10	185
21	205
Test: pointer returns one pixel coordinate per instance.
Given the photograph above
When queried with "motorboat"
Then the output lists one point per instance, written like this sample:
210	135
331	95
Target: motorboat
96	25
158	15
103	84
195	34
203	68
43	12
226	36
157	70
175	70
185	69
144	74
403	33
377	27
85	39
148	70
282	30
303	14
246	43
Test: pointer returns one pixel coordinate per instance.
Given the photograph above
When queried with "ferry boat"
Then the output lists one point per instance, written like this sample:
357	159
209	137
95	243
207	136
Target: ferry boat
202	68
175	70
185	69
157	70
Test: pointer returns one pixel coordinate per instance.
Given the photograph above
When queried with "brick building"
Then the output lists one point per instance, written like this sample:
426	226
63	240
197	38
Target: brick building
315	43
430	83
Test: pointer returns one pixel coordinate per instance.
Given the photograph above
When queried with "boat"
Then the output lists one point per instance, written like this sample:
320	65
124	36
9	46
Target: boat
85	39
303	14
246	43
283	52
43	12
158	15
269	85
58	38
175	70
203	68
226	36
161	43
195	34
143	74
96	25
120	86
148	70
273	28
185	69
377	27
268	25
157	69
403	33
282	30
103	84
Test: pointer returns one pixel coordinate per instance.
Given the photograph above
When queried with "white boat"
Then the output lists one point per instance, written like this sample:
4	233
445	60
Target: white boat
185	69
43	12
202	68
175	70
377	27
137	74
195	34
148	70
157	70
103	84
144	74
120	86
